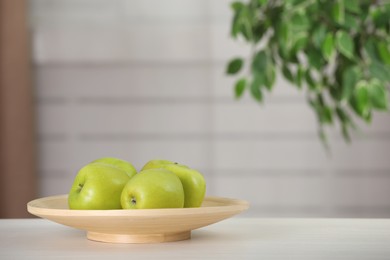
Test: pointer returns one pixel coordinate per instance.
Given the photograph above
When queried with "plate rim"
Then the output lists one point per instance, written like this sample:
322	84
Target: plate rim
230	205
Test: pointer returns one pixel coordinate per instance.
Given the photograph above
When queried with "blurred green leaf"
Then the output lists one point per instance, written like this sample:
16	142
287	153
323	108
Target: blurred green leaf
236	26
243	21
328	47
327	115
383	51
310	81
378	95
338	12
339	49
270	76
353	6
237	18
234	66
287	73
299	22
294	2
370	50
275	15
282	51
283	32
259	62
380	71
255	88
262	2
319	35
315	59
344	43
350	78
350	22
361	99
259	30
300	76
346	123
237	6
380	16
300	41
246	24
240	87
324	112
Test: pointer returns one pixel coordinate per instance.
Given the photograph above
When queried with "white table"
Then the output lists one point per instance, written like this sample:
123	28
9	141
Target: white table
236	238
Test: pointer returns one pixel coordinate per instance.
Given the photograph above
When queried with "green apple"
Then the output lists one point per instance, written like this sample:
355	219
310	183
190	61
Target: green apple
153	189
157	163
97	186
193	182
119	163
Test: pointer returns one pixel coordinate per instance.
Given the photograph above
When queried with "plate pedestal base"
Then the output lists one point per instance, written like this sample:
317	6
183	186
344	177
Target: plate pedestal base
138	238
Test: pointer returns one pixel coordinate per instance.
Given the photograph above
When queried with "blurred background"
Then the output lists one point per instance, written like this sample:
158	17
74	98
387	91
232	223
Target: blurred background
143	79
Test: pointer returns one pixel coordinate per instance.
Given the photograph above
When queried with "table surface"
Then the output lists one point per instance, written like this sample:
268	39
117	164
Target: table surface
235	238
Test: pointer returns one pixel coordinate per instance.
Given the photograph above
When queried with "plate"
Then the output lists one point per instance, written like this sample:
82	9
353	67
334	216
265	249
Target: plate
137	226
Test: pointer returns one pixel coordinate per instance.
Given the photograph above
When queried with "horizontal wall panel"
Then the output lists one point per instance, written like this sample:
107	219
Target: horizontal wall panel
309	211
167	11
49	13
355	191
105	116
288	191
148	80
122	81
46	13
124	119
230	122
301	153
278	171
311	196
250	117
217	11
176	43
276	116
72	7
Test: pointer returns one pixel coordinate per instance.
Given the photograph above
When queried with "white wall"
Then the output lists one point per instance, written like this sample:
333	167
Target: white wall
142	79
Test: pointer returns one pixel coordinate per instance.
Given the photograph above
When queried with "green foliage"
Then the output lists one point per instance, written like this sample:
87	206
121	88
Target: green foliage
234	66
336	51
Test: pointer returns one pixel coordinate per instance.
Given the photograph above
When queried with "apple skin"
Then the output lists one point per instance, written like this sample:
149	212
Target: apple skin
97	186
157	163
193	182
153	189
119	163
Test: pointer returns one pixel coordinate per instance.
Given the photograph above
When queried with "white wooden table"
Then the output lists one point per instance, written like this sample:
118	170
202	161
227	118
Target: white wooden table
236	238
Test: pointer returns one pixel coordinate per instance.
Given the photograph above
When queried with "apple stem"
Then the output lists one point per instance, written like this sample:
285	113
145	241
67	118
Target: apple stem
81	187
133	201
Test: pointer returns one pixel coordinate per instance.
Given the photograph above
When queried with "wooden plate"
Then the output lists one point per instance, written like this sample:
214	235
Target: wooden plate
137	226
